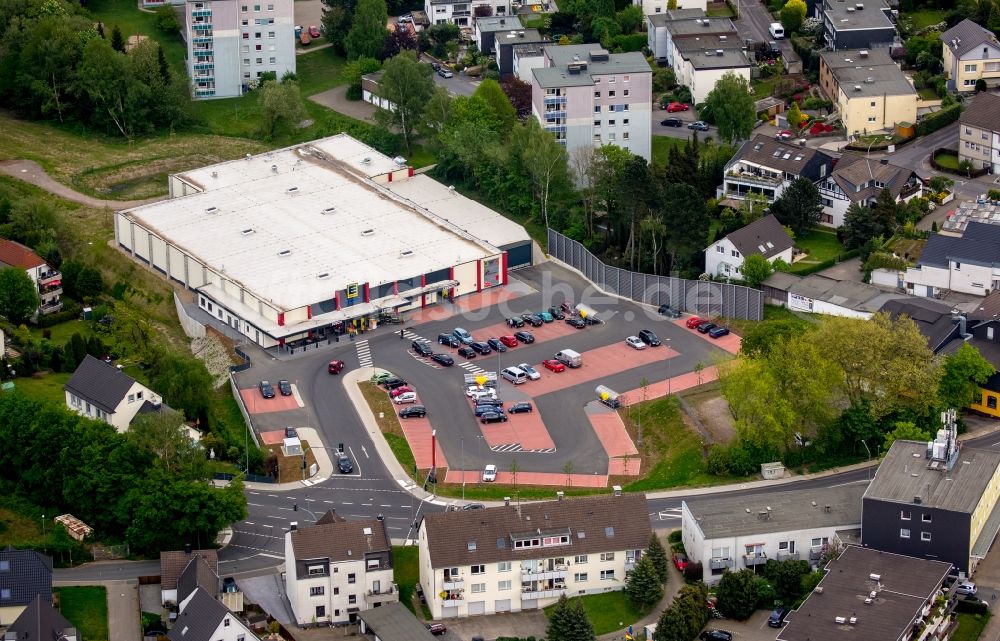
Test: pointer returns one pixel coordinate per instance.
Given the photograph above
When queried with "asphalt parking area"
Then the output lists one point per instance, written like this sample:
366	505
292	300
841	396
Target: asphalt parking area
257	404
526	430
545	332
597	363
730	342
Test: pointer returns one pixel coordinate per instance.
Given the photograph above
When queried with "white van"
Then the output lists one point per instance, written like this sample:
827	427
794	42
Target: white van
776	30
515	375
569	358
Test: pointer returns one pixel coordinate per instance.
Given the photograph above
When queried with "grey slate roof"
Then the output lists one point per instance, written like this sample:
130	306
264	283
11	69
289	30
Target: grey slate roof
103	384
903	475
933	318
27	574
843	293
905	584
196	575
339	540
393	622
871	17
200	619
594	524
763	236
968	36
782	281
983	112
665	18
727	516
980	244
853	169
717	59
40	622
780	156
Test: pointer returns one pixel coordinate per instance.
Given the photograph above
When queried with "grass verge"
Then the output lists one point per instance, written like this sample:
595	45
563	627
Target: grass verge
662	146
970	626
406	574
771	313
290	468
86	607
820	245
608	612
947	159
44	386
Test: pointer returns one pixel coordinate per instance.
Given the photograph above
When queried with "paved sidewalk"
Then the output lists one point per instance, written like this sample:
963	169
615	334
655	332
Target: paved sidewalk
31	172
336	99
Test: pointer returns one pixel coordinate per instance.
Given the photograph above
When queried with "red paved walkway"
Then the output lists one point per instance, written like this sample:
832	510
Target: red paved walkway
274	437
623	467
554	479
418	434
597	363
257	404
467	303
676	384
610	430
731	342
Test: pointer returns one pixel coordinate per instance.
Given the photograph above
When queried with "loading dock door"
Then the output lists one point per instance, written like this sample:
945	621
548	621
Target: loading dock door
518	255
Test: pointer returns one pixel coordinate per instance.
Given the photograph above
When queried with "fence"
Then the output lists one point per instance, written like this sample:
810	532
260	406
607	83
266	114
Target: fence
191	327
704	298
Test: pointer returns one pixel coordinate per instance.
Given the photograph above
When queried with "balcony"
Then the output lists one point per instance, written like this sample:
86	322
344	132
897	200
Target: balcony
202	26
461	14
554	100
204	93
453	601
203	51
788	556
202	39
47	277
50	307
555	113
551	593
50	292
204	66
558	572
201	13
552	129
753	178
754	558
453	583
720	564
383	595
910	190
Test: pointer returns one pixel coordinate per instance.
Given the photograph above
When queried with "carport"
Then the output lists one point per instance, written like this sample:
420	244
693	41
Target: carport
393	622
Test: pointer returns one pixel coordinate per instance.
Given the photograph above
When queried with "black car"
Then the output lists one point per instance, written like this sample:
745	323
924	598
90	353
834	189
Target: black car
705	327
344	464
421	348
777	618
576	322
488	408
533	319
290	432
515	322
492	417
449	340
525	337
718	332
285	388
392	383
672	122
229	585
668	311
413	411
443	359
437	629
496	344
648	337
473	506
266	390
716	635
466	352
518	408
556	313
481	347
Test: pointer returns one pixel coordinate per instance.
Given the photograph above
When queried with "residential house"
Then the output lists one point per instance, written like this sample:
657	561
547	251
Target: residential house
979	132
485	30
969	264
934	500
818	294
764	236
41	622
47	280
587	97
700	61
25	576
338	568
868	89
857	25
505	42
980	210
525	556
858	179
659	42
663	30
867	594
392	622
202	617
970	52
982	331
101	391
654	7
938	322
463	12
730	533
525	57
766	165
232	43
172	566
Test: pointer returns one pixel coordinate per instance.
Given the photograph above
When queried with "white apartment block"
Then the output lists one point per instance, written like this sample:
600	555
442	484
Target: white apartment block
732	533
524	557
462	12
231	43
337	568
47	279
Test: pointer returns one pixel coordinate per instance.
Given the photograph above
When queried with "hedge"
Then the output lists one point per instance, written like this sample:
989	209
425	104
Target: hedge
630	42
812	269
939	119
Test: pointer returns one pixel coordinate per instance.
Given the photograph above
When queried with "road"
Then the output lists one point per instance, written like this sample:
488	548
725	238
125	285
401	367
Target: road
754	21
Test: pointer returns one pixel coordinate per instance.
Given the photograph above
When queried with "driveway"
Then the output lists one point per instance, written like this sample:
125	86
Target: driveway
846	270
753	629
517	624
658	115
336	99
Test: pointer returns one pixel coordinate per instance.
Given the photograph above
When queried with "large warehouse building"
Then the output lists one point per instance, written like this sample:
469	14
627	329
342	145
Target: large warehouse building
311	239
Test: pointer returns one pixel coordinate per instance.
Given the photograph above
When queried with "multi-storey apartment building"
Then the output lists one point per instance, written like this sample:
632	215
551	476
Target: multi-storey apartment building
337	568
766	166
463	12
857	179
979	132
524	557
587	97
868	88
970	53
47	279
652	7
231	43
857	25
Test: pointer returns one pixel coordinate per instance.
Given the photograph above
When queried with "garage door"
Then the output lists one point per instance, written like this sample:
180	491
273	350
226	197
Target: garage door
449	613
477	607
518	255
503	606
529	604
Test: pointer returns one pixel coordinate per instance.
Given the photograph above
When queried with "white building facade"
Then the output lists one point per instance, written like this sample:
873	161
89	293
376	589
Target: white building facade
463	12
651	7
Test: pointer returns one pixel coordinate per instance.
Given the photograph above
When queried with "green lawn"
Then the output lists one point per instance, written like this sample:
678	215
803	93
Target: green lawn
970	626
772	313
661	147
406	574
722	12
86	608
131	21
820	244
61	333
927	93
763	87
46	387
608	612
948	160
925	17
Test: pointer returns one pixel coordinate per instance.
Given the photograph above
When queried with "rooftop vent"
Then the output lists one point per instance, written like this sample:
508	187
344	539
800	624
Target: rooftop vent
212	210
367	160
705	23
849	10
718	52
853	620
329	210
324	276
857	87
559	495
274	168
875	577
292	190
617	489
722	37
859	6
248	231
368	232
840	620
405	253
709	52
215	174
863	53
869	80
248	156
285	252
399	160
869	600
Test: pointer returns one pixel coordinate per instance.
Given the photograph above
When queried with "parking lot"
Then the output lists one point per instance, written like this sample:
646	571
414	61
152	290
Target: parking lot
753	629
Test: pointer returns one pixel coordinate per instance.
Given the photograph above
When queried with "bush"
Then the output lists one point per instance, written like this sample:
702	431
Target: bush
718	460
167	20
693	571
633	42
674	537
937	120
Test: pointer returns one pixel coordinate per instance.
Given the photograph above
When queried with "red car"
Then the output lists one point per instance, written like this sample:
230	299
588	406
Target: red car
400	390
694	321
680	561
509	341
677	106
314	31
554	365
785	134
335	366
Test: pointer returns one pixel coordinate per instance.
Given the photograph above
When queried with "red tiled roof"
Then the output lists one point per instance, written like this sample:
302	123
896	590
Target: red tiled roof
17	255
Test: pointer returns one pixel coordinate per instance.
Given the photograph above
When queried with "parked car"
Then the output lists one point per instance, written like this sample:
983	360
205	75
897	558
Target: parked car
492	417
554	365
974	600
718	332
449	340
668	311
525	337
435	66
520	408
566	306
462	335
474	506
785	134
229	585
706	327
481	348
392	383
265	389
680	561
489	473
576	322
382	377
334	367
777	618
466	352
496	345
445	73
965	588
314	31
699	125
716	635
472	391
413	411
556	313
421	348
305	39
404	398
674	107
530	371
285	387
291	432
672	122
344	464
515	322
437	629
635	342
509	341
694	322
443	359
648	337
545	316
400	390
488	407
533	320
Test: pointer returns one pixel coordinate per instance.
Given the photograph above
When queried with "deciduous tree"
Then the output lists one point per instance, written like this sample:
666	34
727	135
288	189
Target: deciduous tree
368	30
755	270
162	434
860	226
792	15
18	295
686	218
904	431
490	92
962	373
799	205
732	107
280	105
760	338
406	84
737	594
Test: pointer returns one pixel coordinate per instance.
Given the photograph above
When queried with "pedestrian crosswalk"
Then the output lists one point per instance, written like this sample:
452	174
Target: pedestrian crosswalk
413	336
472	369
364	353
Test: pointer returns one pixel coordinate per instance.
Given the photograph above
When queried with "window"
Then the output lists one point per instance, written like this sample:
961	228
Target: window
607	575
350	578
611	123
352	598
820	542
873	103
246	49
607	556
625	78
625	120
260	61
905	515
503	566
597	123
225	622
256	7
256	35
336	591
245	22
597	109
243	8
969	68
611	137
958	267
131	398
736	254
597	94
5	593
317	591
720	553
925	536
503	585
258	47
479	569
270	7
626	93
625	136
316	569
580	577
904	533
320	611
871	118
611	94
246	36
969	82
270	34
478	588
611	80
991	402
373	564
926	518
720	249
580	558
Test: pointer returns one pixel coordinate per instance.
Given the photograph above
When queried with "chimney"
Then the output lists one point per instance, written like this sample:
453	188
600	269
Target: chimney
506	501
187	548
559	495
294	525
962	331
617	490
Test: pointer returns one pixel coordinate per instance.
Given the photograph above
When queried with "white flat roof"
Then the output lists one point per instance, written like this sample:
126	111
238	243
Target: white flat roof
297	248
465	213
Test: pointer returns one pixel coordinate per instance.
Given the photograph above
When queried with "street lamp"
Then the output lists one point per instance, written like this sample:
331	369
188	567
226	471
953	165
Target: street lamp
869	460
43	525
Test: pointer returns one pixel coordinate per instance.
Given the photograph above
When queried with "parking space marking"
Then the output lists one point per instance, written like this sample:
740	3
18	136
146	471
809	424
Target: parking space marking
669	514
506	447
472	369
364	353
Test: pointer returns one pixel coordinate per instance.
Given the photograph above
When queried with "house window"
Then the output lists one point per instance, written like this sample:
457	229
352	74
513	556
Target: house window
580	577
256	7
5	594
611	80
580	558
350	578
503	566
246	61
225	622
720	249
873	103
373	564
315	570
245	22
991	402
131	398
243	8
320	611
871	118
607	575
626	93
625	78
256	35
905	515
969	82
246	36
270	34
607	556
352	598
319	590
611	94
969	68
503	585
260	60
926	518
479	569
597	123
736	254
958	267
336	591
625	120
478	588
270	7
625	136
597	94
925	536
904	533
611	123
597	109
820	542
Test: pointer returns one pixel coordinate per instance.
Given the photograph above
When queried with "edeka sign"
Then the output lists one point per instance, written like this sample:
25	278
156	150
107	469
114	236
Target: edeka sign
353	290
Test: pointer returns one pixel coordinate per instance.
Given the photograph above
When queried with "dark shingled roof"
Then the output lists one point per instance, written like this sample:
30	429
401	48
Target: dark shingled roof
780	156
989	307
979	244
196	575
340	540
933	318
200	619
173	562
904	586
763	236
393	622
41	622
103	384
971	36
983	112
594	524
854	169
27	574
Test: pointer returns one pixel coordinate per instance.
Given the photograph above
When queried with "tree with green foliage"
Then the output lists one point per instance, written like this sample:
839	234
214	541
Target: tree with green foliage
799	205
439	36
886	212
755	270
732	107
117	39
184	382
436	114
336	22
786	577
569	622
686	218
860	226
759	339
103	76
643	586
89	284
657	555
490	92
794	114
354	70
164	435
792	15
963	372
280	105
166	19
407	85
368	30
33	221
630	18
546	162
904	431
18	295
737	594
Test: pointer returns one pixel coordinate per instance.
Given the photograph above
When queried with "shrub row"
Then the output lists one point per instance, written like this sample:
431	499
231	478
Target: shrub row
939	119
